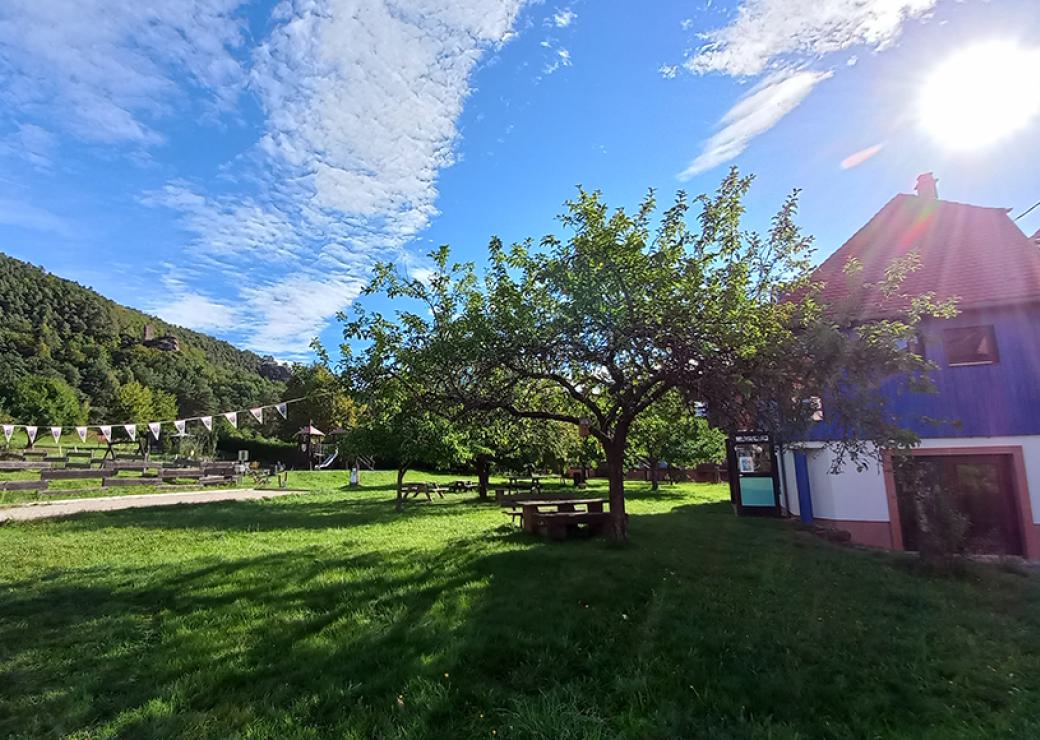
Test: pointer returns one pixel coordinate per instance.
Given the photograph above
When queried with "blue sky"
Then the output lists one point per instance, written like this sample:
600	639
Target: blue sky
238	167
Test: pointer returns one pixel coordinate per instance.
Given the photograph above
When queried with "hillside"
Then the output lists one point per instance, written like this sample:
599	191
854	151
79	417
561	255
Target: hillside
55	332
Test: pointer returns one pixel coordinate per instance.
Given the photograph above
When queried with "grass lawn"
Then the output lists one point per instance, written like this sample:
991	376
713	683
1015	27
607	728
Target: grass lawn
327	614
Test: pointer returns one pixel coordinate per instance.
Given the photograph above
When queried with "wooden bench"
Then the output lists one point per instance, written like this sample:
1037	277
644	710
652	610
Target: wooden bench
216	480
557	525
24	465
73	474
119	482
24	485
56	459
134	467
172	473
34	453
85	465
80	453
508	499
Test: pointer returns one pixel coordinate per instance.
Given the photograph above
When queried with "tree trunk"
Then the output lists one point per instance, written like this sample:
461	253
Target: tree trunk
615	454
483	473
655	477
400	484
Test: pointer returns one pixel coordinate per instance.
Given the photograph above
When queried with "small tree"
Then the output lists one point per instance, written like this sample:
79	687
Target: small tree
47	400
394	427
669	432
327	404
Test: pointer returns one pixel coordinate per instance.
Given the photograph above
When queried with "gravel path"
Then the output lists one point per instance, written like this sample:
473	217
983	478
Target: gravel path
66	507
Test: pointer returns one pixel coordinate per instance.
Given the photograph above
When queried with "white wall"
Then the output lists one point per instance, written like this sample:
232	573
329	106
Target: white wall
860	496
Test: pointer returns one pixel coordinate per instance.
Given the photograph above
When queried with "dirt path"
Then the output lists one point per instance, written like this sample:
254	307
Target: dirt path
66	507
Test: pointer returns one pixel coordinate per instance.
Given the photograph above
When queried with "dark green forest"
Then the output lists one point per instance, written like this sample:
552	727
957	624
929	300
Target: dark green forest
69	355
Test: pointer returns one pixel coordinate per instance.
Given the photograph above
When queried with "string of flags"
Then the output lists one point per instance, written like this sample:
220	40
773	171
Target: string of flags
154	427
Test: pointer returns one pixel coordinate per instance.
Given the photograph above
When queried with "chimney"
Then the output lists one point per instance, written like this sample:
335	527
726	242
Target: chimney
149	333
926	186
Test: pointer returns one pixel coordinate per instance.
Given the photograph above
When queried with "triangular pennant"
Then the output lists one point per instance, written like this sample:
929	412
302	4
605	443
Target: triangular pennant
258	414
8	431
207	421
180	424
131	430
106	432
56	433
282	409
31	431
155	427
82	432
232	418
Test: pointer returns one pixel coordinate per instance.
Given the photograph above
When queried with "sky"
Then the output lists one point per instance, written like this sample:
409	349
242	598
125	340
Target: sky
238	167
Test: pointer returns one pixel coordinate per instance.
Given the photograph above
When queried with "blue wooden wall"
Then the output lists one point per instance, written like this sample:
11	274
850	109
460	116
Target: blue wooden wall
1001	399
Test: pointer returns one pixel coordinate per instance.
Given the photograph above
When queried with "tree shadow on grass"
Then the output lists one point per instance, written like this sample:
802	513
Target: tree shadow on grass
704	626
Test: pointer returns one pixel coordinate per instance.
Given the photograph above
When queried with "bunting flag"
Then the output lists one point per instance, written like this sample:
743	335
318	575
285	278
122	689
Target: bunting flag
155	427
56	433
232	418
180	424
207	421
282	409
131	429
106	432
258	414
31	431
82	432
8	431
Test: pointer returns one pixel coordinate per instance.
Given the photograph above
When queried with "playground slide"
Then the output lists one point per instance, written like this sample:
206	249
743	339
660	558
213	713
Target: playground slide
328	461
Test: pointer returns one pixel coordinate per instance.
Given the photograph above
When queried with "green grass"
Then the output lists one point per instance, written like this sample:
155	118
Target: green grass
328	615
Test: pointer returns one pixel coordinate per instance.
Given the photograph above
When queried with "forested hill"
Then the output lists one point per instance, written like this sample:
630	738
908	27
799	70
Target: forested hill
66	351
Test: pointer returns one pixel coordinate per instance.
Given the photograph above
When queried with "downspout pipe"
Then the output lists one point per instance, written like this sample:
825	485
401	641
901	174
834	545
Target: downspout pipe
801	476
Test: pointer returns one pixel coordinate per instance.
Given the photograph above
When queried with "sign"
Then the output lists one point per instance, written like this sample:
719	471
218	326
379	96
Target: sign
243	456
746	464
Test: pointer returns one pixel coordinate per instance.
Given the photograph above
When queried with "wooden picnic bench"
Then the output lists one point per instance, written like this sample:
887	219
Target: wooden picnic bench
461	486
32	465
74	474
24	485
563	516
416	489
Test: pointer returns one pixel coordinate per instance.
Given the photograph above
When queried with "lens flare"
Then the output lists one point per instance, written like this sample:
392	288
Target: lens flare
981	95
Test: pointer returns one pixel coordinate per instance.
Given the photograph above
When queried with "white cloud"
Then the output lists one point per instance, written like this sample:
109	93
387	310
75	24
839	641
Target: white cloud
563	59
25	215
31	143
668	71
768	32
564	17
776	40
106	68
196	311
361	100
755	113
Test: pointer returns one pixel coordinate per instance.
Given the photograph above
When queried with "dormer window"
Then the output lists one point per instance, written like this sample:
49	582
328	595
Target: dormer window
970	345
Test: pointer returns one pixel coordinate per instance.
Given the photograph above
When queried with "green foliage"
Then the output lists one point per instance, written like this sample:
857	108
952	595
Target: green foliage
261	449
328	405
54	328
36	400
941	527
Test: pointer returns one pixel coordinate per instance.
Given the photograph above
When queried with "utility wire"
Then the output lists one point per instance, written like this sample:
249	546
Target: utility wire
1027	211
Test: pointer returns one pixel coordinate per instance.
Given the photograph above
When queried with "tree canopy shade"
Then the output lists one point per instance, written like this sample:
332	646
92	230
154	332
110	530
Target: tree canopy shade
594	329
46	401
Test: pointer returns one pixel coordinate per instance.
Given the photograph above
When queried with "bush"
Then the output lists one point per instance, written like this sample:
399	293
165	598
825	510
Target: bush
261	449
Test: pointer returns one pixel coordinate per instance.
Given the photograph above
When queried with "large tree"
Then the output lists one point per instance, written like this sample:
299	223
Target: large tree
594	329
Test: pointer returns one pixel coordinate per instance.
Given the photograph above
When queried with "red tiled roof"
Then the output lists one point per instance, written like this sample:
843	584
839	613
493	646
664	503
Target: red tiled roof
974	254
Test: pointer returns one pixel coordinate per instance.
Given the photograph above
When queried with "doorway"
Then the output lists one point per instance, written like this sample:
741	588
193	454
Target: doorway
979	486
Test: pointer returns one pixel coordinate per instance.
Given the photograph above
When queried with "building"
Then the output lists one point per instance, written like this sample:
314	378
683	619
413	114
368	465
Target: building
983	433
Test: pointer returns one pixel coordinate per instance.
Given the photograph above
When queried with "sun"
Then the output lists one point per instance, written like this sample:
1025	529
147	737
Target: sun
981	94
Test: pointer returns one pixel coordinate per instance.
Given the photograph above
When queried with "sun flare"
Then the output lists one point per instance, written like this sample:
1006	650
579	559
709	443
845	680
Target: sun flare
981	95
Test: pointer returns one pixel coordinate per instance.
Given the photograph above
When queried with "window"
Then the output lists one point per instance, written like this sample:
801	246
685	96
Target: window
970	345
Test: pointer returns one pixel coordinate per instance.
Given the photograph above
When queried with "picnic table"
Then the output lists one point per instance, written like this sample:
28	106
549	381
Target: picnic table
460	486
558	518
416	489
